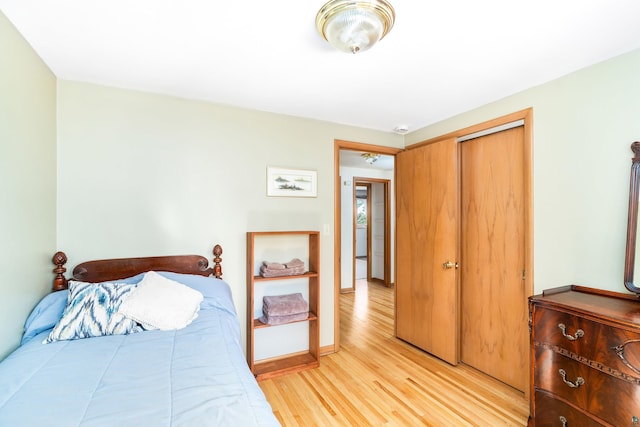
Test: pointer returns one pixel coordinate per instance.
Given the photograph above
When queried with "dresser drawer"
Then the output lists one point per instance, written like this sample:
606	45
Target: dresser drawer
551	412
607	397
613	347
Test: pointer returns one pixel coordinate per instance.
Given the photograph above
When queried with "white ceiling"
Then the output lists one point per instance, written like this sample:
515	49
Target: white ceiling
440	59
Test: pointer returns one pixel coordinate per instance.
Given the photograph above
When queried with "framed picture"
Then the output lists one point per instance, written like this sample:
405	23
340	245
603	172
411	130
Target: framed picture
291	182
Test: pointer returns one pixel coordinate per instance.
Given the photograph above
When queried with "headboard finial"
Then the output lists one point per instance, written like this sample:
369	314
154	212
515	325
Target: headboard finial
217	268
59	281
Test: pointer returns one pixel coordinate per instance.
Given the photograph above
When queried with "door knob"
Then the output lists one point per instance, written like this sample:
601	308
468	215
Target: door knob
447	265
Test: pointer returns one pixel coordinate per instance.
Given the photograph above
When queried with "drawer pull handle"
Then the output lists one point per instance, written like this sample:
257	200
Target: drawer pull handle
563	328
620	350
578	383
563	420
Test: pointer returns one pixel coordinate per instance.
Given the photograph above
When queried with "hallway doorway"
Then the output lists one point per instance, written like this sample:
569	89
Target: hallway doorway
372	230
351	165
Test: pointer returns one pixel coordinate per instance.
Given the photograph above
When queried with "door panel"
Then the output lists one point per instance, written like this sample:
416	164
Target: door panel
377	231
493	300
426	207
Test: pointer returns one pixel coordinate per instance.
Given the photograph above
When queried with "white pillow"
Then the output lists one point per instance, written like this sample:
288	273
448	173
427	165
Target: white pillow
161	303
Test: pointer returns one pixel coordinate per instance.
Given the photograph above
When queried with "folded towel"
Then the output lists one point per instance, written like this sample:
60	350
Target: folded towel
268	272
279	320
274	265
284	305
282	270
296	262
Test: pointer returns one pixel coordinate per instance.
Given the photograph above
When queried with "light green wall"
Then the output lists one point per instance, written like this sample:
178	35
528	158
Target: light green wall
27	181
143	174
583	126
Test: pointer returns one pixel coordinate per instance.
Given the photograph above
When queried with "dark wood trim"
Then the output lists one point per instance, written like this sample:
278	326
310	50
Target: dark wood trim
632	221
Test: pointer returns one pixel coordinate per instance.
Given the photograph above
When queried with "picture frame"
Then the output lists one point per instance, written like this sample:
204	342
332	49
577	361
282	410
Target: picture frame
291	182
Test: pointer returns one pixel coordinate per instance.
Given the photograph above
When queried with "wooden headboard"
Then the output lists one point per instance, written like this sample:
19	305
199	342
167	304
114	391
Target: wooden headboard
121	268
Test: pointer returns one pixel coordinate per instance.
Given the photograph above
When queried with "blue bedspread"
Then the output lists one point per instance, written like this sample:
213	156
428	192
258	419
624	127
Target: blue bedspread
196	376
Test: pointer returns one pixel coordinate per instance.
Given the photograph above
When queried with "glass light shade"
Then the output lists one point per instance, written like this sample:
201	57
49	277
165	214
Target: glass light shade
370	158
354	26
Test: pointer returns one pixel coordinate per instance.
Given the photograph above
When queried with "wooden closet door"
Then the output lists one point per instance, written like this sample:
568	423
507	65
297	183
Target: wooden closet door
426	237
493	297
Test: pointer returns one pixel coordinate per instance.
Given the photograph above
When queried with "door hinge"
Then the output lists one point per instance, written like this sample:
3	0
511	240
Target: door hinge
524	274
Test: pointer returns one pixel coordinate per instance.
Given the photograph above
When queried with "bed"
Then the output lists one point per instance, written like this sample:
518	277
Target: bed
152	376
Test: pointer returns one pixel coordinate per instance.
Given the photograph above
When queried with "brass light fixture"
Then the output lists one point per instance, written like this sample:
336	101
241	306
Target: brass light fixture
370	158
355	26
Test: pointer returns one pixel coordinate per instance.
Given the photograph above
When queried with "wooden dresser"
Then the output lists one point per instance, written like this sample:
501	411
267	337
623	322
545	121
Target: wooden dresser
585	353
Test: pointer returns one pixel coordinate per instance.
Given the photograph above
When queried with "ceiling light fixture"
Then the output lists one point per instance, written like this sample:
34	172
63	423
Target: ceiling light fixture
355	26
370	158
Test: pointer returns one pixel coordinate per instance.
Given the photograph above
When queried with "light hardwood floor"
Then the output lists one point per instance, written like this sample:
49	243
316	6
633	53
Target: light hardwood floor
378	380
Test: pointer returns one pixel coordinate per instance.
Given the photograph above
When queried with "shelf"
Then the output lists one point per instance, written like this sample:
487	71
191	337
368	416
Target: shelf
295	276
284	365
257	324
264	244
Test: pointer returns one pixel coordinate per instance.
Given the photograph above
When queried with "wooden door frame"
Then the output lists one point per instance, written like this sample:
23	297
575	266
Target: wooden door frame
387	226
359	182
526	116
338	145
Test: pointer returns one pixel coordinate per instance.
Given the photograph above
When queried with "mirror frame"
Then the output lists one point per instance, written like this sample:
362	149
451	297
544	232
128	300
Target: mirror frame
632	223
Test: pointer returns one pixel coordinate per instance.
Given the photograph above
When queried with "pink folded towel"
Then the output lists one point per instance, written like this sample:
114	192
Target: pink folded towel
269	272
284	305
295	263
279	320
274	265
276	269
